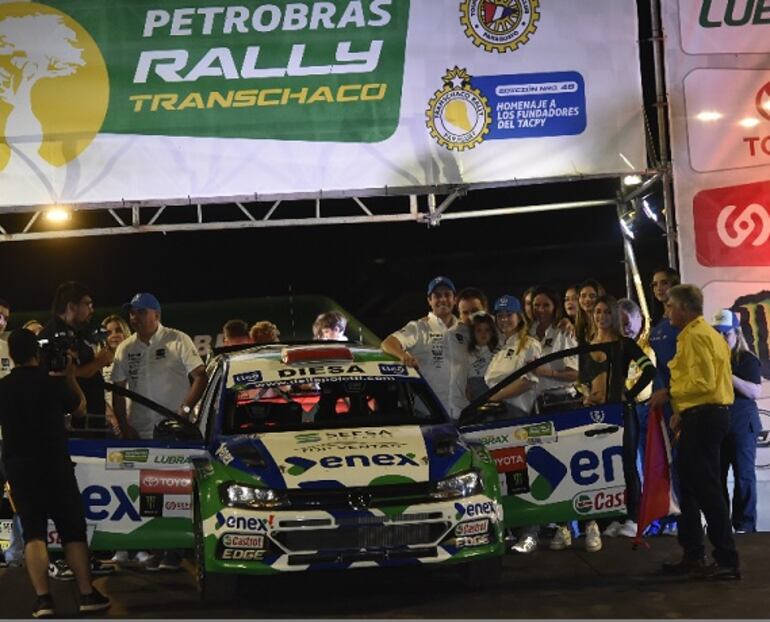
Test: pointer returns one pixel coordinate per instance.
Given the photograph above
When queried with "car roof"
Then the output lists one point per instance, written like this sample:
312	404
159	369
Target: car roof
263	364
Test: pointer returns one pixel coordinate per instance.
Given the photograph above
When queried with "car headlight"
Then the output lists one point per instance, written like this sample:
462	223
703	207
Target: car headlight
458	486
239	495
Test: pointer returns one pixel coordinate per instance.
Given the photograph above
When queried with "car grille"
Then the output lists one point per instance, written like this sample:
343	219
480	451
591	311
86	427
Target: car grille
378	496
349	557
361	537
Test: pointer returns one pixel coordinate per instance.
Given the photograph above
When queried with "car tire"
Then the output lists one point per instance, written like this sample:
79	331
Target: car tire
212	588
483	572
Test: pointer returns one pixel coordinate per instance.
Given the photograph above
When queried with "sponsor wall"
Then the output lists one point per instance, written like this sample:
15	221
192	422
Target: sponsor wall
103	102
718	74
718	71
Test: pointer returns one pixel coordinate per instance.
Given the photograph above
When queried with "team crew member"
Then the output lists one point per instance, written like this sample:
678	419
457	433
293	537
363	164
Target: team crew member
163	365
701	393
518	350
556	376
423	343
739	450
40	472
469	302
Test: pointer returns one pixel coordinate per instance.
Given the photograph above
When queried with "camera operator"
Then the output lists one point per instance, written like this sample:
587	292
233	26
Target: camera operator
33	403
72	310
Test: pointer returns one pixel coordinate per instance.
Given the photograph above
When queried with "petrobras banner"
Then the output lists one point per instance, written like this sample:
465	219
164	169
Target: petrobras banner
718	72
147	100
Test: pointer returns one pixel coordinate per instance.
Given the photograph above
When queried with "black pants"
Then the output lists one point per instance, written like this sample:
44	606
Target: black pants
630	472
699	465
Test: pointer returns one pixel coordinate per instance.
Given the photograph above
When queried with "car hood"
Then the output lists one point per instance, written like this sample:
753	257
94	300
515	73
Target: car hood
351	457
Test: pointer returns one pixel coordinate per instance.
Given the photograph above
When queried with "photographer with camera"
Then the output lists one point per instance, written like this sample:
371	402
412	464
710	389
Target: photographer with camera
36	458
69	331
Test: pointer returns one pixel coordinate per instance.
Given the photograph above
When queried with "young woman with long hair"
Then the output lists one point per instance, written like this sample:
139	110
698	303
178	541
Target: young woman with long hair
588	292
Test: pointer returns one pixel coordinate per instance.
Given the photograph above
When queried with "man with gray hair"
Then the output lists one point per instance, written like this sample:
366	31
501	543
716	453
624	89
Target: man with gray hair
701	392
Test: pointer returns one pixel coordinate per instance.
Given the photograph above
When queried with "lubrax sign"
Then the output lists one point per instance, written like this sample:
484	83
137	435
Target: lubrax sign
725	26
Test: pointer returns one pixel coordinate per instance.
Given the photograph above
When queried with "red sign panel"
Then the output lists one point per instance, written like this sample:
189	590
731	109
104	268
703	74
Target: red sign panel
732	225
510	459
165	482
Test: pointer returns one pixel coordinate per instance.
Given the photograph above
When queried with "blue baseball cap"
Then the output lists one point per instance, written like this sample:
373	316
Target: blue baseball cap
143	300
725	321
439	281
507	304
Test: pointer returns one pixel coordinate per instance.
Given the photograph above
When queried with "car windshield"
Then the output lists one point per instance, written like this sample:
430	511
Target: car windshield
330	404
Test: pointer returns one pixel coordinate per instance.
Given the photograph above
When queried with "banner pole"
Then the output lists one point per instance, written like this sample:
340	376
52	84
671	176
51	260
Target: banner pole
661	106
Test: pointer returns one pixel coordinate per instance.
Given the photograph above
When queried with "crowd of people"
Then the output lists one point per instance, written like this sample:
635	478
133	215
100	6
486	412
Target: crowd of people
674	362
659	362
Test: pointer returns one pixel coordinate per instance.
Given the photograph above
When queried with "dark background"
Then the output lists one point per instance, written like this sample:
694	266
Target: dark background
378	272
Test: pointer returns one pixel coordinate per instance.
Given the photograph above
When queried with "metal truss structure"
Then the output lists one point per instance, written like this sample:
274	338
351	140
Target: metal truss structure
25	224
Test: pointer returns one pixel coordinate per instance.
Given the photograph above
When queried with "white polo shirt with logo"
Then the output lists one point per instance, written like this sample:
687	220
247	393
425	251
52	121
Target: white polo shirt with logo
158	370
426	340
508	360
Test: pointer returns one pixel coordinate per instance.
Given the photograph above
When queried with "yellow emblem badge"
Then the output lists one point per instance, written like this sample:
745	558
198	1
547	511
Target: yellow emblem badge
499	25
458	115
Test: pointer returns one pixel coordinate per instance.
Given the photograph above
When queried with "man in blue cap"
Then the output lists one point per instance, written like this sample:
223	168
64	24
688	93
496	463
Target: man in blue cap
423	343
163	365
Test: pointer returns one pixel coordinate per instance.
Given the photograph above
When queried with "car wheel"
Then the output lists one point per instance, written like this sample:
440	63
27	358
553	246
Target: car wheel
483	572
213	588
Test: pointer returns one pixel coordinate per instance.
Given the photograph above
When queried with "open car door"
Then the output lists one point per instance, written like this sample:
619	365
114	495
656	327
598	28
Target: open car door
565	460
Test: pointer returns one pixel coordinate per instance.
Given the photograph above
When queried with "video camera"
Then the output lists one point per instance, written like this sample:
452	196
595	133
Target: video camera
55	352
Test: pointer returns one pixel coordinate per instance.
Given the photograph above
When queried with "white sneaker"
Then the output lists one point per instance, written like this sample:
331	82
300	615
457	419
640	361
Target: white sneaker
593	537
142	556
627	529
120	557
561	539
612	529
527	544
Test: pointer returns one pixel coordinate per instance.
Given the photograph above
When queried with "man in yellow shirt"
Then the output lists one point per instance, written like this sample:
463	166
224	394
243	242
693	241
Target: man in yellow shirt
701	392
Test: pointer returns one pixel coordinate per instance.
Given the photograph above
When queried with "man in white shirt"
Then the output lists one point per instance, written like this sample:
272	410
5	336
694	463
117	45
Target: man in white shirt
423	343
163	365
159	363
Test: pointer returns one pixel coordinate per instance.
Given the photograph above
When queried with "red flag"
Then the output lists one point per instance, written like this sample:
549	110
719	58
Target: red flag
657	494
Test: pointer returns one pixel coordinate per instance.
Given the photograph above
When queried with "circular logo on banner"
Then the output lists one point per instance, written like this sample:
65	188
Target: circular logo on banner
499	25
54	87
763	101
458	115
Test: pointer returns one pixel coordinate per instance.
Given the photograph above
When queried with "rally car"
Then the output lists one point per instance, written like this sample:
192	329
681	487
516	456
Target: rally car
304	457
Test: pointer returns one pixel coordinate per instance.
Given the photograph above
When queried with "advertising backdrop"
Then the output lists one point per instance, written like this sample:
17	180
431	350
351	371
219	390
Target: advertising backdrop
718	73
142	100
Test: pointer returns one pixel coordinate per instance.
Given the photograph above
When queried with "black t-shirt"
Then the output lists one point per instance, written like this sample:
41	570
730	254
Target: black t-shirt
93	387
747	367
627	351
32	409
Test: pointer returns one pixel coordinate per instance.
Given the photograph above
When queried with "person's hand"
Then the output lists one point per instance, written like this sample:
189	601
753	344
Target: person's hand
567	327
105	357
659	398
409	360
676	423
